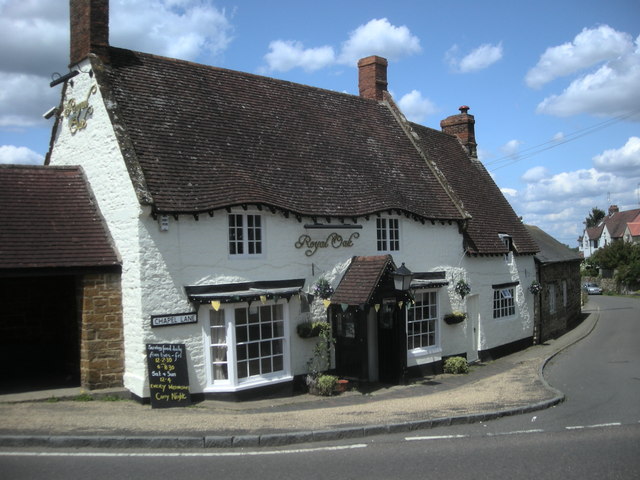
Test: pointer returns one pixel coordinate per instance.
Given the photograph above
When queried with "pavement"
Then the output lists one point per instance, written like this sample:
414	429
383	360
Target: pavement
510	385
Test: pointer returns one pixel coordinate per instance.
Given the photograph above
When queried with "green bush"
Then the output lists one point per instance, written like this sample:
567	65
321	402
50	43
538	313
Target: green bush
326	384
312	329
456	365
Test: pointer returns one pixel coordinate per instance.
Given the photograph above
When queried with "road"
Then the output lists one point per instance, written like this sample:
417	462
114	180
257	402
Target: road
595	433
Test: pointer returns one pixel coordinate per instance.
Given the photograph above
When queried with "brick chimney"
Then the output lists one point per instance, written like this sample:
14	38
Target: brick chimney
463	127
613	209
372	77
89	29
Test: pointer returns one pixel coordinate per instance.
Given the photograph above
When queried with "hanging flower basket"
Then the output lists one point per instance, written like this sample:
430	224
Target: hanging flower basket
462	288
323	288
535	287
454	318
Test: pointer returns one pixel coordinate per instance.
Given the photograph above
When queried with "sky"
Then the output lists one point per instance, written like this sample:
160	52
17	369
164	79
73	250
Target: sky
554	85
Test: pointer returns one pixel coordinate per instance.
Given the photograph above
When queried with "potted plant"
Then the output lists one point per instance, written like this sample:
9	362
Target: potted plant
311	329
535	287
323	288
462	288
454	317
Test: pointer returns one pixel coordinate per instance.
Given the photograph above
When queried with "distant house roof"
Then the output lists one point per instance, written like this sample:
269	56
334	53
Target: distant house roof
617	222
634	229
50	220
551	250
361	279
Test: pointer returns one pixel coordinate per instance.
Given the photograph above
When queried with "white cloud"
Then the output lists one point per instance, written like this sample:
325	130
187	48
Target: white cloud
558	203
480	58
624	160
286	55
35	43
19	155
509	192
588	48
379	37
187	29
511	148
415	107
535	174
24	98
558	137
609	90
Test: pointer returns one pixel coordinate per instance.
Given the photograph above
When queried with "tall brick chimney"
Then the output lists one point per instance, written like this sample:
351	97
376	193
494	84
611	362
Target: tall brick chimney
613	209
89	29
463	127
372	77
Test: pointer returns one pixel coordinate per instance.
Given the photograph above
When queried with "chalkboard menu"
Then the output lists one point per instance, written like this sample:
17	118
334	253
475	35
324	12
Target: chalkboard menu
168	375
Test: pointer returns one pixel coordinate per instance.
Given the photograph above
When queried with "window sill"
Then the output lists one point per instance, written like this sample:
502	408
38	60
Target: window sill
261	382
423	356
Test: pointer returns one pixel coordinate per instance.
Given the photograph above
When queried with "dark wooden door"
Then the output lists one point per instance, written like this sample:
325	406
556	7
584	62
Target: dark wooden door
350	331
390	328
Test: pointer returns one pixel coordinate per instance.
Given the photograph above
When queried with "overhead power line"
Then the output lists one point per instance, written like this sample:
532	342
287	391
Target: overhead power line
507	160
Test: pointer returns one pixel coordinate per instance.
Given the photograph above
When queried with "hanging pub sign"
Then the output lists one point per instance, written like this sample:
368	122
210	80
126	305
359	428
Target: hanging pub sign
334	240
168	375
173	319
79	112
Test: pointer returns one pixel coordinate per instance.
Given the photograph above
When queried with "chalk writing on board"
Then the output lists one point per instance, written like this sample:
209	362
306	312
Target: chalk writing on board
168	375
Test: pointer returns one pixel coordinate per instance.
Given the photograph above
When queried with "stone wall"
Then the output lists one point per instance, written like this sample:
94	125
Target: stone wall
567	309
101	333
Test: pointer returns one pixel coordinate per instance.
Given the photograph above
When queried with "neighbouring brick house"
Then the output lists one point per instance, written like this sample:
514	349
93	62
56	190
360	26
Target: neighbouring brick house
558	305
230	197
61	315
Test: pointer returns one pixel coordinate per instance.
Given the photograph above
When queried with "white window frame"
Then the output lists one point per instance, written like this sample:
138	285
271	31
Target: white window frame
506	306
246	232
431	353
507	240
234	382
388	234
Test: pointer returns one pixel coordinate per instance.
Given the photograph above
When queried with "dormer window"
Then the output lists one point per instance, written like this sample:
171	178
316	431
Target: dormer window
507	240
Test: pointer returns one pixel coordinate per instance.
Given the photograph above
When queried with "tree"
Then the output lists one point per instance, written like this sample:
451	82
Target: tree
622	257
594	217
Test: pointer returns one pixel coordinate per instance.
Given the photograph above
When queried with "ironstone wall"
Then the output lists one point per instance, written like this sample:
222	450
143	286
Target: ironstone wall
101	335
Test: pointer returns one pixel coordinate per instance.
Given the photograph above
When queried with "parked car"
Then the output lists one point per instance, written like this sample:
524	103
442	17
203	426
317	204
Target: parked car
592	289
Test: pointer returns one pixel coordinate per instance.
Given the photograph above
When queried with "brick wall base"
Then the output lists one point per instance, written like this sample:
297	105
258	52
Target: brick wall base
101	332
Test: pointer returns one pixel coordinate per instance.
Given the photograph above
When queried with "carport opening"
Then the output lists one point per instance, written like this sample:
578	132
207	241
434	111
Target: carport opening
39	333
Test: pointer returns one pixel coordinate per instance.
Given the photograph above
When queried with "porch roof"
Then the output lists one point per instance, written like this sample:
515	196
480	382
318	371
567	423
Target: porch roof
361	279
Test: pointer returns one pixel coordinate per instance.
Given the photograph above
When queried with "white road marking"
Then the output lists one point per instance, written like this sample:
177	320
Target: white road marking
600	425
435	437
181	454
517	432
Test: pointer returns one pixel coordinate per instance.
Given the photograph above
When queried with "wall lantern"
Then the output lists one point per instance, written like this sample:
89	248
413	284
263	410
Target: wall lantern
402	278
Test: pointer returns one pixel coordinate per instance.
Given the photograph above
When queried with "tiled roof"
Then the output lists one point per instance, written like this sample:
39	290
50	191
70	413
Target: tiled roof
634	229
490	211
50	220
361	279
551	250
617	222
207	138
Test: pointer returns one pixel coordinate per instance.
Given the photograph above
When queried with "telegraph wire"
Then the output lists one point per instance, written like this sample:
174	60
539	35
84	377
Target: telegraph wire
508	160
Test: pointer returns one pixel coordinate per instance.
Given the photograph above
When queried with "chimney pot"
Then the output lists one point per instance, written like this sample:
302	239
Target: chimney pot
372	77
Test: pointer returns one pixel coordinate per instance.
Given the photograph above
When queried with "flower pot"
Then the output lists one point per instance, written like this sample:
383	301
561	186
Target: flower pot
342	386
453	319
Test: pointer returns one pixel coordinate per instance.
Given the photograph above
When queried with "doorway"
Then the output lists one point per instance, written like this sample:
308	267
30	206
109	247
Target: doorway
351	353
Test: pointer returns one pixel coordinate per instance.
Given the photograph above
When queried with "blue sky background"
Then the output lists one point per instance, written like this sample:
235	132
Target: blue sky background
554	85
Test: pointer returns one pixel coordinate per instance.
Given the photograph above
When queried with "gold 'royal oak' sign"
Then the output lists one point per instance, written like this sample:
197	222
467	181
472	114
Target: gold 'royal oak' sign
334	240
77	113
